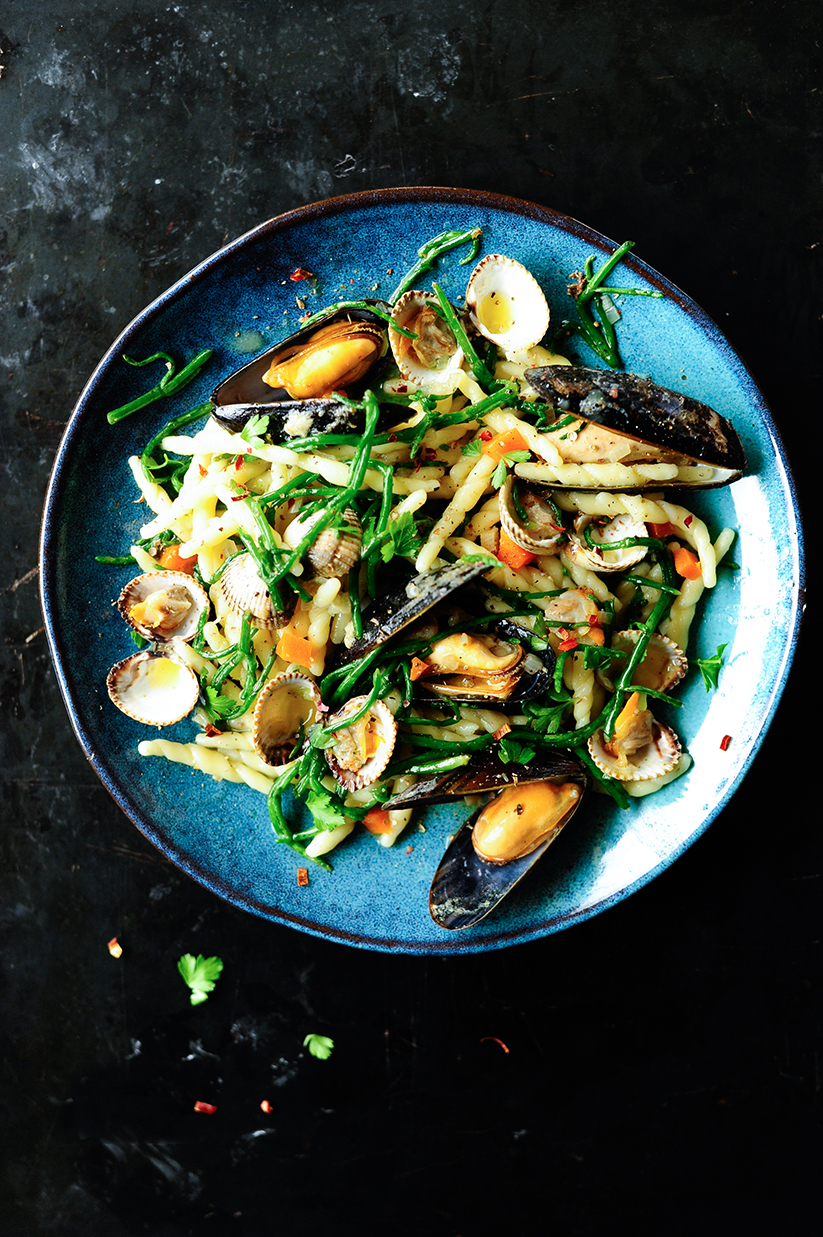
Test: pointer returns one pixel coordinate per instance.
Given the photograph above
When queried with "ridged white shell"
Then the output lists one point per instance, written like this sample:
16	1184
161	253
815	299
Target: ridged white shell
386	727
180	588
621	528
153	687
288	703
435	368
334	551
664	662
656	758
547	534
242	589
506	303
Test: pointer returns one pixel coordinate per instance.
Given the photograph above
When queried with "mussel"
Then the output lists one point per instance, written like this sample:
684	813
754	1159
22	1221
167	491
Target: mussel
292	383
493	664
628	419
502	840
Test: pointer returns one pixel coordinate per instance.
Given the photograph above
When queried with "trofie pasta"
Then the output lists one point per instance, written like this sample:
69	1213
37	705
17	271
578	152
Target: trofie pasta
415	554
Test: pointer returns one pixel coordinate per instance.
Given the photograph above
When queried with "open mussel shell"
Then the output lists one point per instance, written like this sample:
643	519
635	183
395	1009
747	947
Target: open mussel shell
466	886
245	393
493	665
670	425
153	687
387	616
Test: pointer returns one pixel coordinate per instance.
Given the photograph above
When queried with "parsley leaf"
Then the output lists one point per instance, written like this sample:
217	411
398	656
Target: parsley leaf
401	537
218	705
200	974
545	719
710	667
326	811
509	750
319	1046
254	427
472	448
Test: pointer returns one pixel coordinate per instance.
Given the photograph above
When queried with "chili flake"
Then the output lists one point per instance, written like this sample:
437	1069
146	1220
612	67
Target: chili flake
486	435
300	273
494	1040
302	876
115	948
724	742
202	1106
266	1106
498	734
212	731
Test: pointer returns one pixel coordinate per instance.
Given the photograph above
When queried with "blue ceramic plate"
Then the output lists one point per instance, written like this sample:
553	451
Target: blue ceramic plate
240	301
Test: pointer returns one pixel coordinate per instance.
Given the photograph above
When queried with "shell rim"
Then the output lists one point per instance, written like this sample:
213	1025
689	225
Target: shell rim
59	480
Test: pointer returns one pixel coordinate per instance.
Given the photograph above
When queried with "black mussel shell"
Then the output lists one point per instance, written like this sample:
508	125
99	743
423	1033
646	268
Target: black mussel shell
244	394
465	887
528	687
638	408
386	617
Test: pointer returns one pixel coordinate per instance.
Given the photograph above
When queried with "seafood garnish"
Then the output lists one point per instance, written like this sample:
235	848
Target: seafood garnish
292	384
644	422
438	562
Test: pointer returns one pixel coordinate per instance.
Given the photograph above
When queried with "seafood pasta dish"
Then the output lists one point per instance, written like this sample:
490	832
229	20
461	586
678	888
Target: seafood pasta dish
412	554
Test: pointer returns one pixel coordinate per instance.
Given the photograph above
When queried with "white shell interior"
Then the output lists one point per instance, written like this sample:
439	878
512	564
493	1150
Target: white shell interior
506	303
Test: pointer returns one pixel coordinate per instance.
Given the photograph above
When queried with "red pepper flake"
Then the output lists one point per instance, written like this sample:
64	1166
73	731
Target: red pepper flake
115	948
569	643
266	1106
238	463
724	742
688	520
212	731
300	273
202	470
498	734
302	876
409	850
202	1106
486	435
613	391
494	1040
392	438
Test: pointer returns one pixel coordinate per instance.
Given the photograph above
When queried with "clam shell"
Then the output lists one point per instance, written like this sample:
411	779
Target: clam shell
664	662
656	758
243	590
544	530
506	303
285	708
184	596
334	551
153	687
621	528
383	725
433	360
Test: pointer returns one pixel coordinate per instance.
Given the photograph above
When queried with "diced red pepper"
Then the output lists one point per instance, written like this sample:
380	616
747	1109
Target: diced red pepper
266	1106
724	742
300	273
660	530
202	1106
418	669
302	876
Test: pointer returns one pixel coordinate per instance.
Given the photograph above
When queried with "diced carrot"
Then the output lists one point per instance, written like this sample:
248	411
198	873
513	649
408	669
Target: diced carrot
296	649
378	820
511	554
511	440
660	530
418	669
172	560
686	564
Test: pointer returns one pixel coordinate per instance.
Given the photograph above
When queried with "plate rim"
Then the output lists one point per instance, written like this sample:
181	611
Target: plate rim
452	943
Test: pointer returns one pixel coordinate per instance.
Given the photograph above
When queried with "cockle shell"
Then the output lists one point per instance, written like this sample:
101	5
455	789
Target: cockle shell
543	530
622	528
286	707
243	591
163	605
335	550
663	664
433	360
363	750
153	687
654	759
506	303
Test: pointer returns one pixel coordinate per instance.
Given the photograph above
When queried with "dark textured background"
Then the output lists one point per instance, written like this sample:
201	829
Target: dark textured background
663	1063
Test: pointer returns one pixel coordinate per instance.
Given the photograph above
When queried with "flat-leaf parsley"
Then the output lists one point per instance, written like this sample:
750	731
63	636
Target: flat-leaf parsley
200	974
319	1046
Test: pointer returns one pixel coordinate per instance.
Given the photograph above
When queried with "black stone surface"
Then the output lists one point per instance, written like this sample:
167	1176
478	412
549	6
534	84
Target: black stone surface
661	1062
